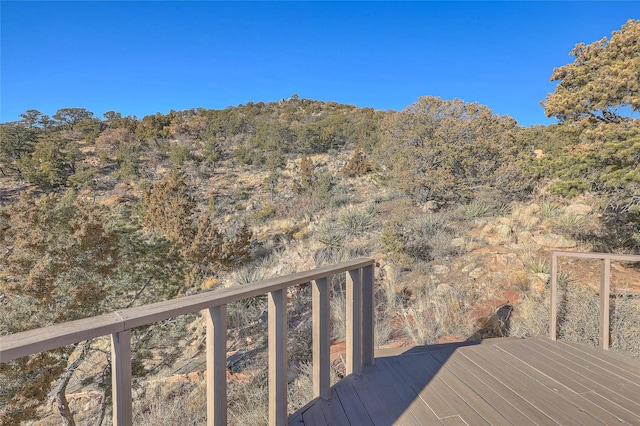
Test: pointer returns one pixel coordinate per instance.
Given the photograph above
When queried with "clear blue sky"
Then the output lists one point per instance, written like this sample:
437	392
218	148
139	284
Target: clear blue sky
140	58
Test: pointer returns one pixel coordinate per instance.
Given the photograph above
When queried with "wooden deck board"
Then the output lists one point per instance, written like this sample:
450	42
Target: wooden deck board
540	396
420	412
630	364
626	372
373	400
395	397
615	390
557	388
333	411
439	384
520	382
491	394
471	396
418	377
353	408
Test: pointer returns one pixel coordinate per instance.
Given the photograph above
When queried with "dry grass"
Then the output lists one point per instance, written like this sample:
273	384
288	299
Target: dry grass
434	312
578	317
172	404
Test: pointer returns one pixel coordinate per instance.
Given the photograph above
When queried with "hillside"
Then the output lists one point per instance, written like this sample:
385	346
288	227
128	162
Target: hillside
462	246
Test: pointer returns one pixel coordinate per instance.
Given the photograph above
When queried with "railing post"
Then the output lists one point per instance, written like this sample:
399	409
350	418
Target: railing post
121	378
216	319
354	322
554	297
321	335
605	289
277	306
368	316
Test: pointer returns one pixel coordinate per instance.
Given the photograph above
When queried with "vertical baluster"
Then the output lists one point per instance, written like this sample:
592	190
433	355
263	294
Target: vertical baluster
554	296
605	289
321	335
121	378
368	316
354	322
278	358
216	319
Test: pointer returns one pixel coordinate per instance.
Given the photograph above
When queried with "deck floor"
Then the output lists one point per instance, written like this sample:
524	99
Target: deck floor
502	381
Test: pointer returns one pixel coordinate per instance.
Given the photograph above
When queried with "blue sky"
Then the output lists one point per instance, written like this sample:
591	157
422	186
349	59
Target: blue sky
140	58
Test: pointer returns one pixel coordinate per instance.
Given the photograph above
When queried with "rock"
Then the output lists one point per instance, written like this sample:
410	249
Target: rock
525	237
440	269
554	240
468	267
429	206
457	242
537	282
444	289
493	239
476	273
504	231
544	277
578	210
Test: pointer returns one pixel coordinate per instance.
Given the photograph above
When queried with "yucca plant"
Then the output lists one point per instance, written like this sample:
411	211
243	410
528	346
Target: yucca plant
355	222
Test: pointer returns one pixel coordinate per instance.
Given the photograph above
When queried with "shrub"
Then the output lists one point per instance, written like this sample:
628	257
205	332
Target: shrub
356	222
358	164
474	210
549	209
538	266
330	233
569	225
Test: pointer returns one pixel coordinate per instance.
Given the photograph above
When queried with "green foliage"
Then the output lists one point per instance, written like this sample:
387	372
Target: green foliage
474	210
90	128
69	117
331	234
593	94
603	79
212	151
569	225
395	239
181	154
154	127
83	178
549	209
447	150
356	222
16	141
53	158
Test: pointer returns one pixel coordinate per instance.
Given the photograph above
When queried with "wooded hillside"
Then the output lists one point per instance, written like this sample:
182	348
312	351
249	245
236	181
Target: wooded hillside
99	214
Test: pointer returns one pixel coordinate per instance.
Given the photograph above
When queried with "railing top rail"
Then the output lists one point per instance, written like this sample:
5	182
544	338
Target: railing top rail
42	339
600	256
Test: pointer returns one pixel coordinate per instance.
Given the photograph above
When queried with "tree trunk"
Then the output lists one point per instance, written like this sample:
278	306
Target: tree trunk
61	398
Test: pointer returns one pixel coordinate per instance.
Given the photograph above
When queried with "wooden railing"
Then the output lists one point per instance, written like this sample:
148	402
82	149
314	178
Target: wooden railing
605	288
118	324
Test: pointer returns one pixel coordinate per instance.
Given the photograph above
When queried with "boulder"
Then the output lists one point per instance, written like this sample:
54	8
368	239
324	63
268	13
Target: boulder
554	240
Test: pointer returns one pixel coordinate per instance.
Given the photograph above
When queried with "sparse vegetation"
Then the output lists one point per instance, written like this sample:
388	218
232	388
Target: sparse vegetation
447	199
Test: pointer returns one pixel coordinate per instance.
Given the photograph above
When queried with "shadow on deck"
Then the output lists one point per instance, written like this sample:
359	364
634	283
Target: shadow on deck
495	381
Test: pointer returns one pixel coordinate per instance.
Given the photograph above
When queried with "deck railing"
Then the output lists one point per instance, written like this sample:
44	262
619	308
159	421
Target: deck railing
605	288
118	324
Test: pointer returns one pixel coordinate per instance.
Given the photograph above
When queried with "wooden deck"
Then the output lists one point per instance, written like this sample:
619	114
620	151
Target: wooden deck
532	381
